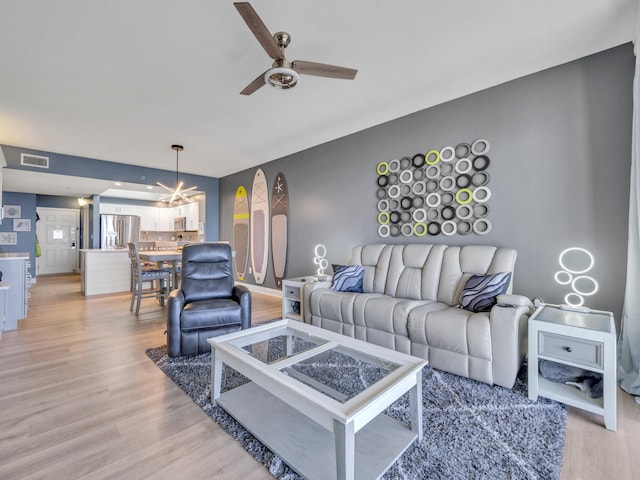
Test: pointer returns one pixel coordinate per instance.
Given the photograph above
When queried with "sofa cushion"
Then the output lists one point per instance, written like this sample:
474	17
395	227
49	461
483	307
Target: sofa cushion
480	291
347	278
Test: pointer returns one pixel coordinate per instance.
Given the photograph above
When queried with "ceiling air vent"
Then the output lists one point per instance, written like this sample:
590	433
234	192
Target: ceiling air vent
34	160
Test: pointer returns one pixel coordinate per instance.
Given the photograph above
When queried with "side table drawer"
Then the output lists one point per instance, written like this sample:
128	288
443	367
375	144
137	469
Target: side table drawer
292	292
576	350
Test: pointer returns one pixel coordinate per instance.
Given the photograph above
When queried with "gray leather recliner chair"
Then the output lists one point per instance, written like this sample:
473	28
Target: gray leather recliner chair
207	303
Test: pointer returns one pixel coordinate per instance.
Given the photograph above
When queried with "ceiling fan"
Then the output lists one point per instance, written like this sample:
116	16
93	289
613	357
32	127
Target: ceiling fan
283	74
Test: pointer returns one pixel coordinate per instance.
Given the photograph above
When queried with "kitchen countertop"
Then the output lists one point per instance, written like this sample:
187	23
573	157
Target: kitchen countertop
99	250
14	255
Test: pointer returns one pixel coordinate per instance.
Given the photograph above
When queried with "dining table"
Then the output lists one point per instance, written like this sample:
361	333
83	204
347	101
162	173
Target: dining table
162	257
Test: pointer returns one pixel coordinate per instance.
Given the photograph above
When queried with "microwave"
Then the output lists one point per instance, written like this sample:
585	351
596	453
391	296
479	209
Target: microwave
179	224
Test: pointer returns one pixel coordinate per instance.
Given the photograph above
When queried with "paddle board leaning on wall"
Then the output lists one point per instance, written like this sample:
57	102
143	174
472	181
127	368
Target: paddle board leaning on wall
279	227
259	226
241	232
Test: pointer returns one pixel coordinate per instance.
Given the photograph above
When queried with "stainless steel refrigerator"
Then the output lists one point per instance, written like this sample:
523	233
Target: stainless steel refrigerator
118	230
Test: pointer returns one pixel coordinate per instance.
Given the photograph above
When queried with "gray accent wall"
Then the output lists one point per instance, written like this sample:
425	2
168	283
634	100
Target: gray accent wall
560	163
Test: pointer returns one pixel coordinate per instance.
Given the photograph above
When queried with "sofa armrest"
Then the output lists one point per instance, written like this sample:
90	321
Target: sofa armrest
307	289
242	295
509	319
175	304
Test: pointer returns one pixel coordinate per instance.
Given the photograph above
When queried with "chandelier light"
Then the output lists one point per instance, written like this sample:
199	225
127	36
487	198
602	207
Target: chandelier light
177	191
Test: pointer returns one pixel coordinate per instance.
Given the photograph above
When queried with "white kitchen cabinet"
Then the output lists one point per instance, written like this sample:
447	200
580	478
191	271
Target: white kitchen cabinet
165	219
148	218
191	212
117	209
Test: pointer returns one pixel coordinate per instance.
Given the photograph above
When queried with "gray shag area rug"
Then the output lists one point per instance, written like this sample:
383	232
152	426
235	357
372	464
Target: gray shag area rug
471	430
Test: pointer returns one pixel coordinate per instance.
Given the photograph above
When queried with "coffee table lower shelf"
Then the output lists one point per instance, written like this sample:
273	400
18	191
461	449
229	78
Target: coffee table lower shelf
307	447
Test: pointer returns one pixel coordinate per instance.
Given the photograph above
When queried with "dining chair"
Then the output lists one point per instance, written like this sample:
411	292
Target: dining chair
158	279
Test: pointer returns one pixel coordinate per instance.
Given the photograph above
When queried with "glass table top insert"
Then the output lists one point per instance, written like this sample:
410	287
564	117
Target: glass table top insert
336	371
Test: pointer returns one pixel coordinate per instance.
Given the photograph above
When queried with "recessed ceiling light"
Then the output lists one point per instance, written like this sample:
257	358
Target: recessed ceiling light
117	184
149	187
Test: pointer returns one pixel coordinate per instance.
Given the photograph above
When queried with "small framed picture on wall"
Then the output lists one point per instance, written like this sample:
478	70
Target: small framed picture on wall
12	211
8	238
21	225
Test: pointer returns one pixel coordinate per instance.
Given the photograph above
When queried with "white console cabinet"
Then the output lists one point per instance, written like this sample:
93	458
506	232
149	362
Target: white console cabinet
15	269
583	339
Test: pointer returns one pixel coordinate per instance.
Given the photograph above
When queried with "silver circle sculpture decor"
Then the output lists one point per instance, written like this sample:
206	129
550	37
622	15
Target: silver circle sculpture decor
437	192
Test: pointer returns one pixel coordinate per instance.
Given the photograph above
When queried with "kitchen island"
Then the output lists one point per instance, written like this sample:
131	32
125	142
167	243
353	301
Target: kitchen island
104	271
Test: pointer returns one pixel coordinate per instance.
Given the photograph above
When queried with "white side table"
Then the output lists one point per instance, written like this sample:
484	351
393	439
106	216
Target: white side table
292	298
585	340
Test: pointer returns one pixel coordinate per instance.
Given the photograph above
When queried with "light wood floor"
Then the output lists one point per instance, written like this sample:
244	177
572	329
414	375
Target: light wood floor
80	399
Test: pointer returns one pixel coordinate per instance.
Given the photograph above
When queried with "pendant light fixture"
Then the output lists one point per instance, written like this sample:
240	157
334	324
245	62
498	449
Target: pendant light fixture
177	191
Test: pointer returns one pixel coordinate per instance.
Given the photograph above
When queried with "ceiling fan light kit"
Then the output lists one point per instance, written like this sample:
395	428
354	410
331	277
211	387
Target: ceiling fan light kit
283	75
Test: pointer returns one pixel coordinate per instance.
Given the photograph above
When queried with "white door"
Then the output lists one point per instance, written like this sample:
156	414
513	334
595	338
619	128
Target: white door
57	232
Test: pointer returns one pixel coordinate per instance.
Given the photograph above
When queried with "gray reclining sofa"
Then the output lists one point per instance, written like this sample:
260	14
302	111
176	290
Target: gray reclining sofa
410	303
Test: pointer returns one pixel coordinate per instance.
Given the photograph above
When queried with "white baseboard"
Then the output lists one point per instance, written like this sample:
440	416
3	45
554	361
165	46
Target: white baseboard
258	289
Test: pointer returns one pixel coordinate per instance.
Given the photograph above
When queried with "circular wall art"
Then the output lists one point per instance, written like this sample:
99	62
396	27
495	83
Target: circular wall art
440	191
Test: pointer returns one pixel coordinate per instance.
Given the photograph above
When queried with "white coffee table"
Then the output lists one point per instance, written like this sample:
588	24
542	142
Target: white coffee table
293	404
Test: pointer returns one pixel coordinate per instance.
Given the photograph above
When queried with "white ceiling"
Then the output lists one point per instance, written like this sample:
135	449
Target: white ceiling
122	80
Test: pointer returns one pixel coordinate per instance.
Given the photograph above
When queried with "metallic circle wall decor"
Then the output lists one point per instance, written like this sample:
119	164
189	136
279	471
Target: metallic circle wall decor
447	198
406	176
446	169
432	200
417	202
382	168
449	227
480	179
447	154
482	226
383	218
464	227
481	210
444	191
481	162
418	160
420	229
464	196
419	215
463	181
448	183
462	150
464	212
432	157
419	188
480	146
406	229
481	194
433	171
463	165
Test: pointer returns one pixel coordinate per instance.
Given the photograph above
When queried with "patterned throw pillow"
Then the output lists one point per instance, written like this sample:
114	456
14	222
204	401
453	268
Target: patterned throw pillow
480	291
347	278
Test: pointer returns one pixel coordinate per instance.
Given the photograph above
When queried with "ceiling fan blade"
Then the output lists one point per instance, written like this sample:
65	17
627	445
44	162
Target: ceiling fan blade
323	70
253	86
259	29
